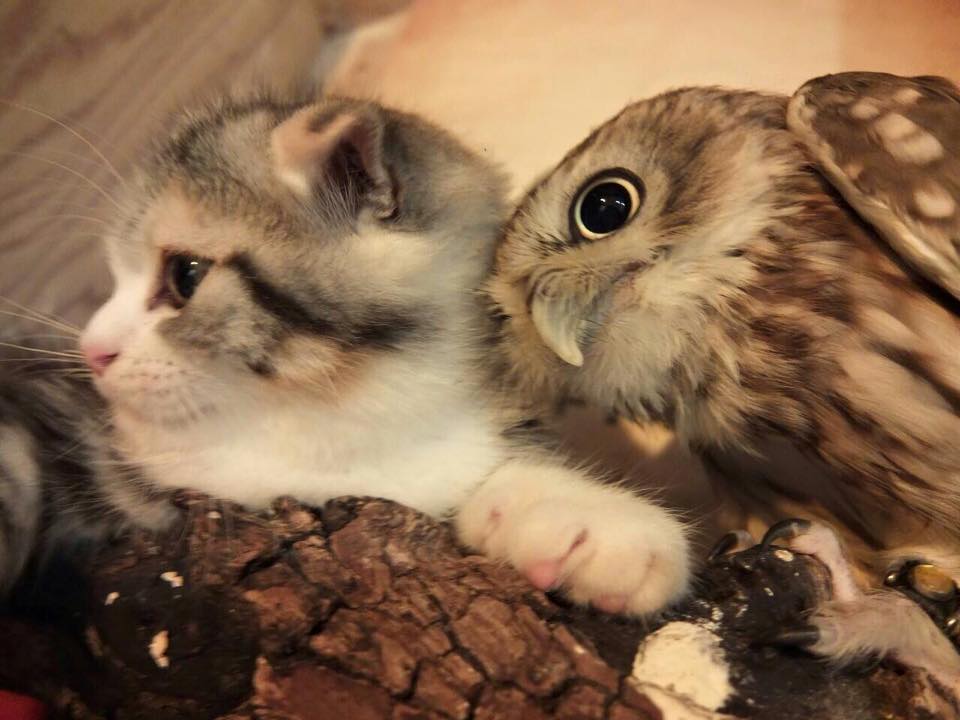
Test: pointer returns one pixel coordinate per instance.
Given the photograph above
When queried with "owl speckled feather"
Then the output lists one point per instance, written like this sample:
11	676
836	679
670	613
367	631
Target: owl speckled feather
775	279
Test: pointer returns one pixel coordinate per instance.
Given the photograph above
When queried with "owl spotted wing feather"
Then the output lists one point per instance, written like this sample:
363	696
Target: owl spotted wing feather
891	146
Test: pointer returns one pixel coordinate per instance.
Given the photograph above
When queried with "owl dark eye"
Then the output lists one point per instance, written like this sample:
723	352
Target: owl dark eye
181	276
606	204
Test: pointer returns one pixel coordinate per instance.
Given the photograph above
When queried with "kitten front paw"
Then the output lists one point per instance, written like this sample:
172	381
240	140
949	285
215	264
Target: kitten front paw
603	546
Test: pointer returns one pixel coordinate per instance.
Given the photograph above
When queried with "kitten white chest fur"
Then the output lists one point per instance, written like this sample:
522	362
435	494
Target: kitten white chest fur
417	435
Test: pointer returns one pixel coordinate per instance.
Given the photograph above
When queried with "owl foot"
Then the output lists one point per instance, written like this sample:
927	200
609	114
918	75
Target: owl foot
856	624
819	541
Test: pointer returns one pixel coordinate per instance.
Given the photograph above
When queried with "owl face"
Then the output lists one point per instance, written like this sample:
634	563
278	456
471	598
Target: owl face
615	264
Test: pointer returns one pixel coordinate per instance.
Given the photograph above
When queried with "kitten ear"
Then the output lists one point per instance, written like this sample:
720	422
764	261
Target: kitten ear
342	147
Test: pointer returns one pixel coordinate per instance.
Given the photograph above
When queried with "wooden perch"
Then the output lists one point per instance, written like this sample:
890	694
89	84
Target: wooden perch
368	610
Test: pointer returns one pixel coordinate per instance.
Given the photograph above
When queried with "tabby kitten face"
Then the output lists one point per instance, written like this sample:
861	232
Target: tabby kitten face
274	253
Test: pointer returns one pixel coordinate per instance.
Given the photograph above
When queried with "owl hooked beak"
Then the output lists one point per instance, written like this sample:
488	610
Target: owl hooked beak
560	322
566	316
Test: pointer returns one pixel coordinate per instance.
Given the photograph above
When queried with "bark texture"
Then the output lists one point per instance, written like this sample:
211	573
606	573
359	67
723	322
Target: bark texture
368	610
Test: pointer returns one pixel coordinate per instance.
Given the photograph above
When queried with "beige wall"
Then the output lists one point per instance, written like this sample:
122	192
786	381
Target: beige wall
527	79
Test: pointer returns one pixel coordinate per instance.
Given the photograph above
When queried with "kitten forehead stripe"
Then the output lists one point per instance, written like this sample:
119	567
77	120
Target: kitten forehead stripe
275	301
383	327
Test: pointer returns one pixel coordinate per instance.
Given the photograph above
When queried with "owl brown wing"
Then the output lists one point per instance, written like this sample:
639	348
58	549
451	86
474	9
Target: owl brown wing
891	146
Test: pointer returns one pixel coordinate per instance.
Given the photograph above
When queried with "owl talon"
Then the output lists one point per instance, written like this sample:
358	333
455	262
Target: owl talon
729	542
785	530
854	624
799	636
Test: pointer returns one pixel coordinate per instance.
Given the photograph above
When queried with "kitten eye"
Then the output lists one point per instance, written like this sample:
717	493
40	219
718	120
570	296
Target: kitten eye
606	204
181	276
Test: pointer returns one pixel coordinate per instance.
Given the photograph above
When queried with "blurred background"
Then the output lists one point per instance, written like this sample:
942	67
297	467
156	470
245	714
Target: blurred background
520	80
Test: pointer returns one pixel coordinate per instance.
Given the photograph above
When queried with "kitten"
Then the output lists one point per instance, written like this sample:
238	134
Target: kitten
294	314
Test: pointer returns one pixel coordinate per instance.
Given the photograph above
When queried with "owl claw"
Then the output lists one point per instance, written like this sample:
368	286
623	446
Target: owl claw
729	542
724	545
799	636
785	530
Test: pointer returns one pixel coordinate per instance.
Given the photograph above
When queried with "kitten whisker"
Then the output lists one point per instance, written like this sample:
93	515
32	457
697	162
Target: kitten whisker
84	438
56	364
73	373
77	134
37	360
156	461
41	351
78	157
74	216
38	317
76	173
66	204
85	236
46	336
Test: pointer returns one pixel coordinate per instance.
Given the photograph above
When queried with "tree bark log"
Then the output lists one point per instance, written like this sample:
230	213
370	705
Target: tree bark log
367	610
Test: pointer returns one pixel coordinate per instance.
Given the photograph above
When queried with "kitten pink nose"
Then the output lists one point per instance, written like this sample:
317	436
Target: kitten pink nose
98	358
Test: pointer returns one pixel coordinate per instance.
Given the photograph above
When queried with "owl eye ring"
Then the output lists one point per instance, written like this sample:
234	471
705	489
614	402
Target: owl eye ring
607	202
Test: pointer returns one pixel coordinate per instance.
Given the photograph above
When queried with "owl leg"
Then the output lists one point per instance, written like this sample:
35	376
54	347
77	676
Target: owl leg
857	623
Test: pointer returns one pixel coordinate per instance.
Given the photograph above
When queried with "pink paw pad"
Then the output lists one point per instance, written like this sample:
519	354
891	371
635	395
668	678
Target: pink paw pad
545	574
